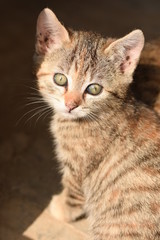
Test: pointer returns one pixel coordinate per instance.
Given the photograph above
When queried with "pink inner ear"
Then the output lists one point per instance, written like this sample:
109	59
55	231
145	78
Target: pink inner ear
126	51
125	64
44	41
131	59
50	32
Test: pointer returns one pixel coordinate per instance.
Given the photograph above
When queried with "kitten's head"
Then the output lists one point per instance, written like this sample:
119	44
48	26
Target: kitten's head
79	72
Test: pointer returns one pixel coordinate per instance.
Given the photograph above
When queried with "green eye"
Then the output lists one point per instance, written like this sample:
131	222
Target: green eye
60	79
94	89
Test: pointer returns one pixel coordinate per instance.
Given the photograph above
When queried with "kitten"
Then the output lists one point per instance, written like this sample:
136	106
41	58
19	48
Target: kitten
107	142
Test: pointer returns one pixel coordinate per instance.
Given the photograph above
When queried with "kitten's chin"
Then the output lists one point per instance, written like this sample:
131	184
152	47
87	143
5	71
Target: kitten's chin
71	116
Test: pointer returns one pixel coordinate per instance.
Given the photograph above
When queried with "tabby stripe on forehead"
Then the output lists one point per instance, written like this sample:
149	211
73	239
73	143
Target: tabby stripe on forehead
92	61
93	54
73	53
86	69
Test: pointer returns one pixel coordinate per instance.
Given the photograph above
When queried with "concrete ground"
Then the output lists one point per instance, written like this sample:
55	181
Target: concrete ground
28	169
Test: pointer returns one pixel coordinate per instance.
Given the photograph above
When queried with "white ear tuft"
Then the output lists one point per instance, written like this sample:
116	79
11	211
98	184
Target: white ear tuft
127	51
51	34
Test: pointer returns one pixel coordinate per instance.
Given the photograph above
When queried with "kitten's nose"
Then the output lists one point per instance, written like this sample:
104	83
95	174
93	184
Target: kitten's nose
72	100
71	105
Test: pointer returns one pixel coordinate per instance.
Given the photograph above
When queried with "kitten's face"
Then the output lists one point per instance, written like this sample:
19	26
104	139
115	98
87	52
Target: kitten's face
79	72
72	81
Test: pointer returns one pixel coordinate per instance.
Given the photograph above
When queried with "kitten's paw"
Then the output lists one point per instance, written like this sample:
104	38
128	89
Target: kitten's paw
63	212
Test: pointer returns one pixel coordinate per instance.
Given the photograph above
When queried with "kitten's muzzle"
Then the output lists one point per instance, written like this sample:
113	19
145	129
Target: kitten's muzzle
72	100
71	105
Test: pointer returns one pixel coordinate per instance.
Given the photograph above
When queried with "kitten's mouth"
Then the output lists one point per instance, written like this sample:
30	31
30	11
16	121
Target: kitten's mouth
69	114
72	115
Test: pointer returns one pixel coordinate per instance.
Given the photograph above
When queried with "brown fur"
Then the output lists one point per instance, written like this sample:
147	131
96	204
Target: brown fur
109	145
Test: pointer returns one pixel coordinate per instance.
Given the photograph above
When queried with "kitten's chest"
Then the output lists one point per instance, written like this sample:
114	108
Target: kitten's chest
79	144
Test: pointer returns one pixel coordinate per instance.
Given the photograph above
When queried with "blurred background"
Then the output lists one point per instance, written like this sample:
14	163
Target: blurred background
28	170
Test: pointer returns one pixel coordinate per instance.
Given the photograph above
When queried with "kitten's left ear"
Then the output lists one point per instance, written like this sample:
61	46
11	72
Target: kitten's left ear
125	52
51	34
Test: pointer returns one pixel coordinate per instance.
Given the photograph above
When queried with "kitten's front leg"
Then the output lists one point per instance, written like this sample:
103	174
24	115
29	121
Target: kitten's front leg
69	204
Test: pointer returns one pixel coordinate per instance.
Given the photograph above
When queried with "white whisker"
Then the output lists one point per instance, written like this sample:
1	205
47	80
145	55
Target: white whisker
36	113
30	111
47	112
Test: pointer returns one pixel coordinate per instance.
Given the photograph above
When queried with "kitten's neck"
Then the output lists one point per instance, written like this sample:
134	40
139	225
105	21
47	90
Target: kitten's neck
90	142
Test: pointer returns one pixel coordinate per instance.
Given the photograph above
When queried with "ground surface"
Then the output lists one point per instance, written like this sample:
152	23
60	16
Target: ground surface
28	169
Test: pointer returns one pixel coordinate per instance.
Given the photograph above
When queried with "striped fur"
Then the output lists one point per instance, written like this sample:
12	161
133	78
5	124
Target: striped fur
109	148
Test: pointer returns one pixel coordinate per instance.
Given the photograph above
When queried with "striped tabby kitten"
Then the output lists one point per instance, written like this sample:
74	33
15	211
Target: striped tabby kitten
107	142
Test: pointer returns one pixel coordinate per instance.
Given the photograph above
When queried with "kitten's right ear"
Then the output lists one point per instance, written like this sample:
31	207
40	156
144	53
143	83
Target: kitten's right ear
51	34
125	52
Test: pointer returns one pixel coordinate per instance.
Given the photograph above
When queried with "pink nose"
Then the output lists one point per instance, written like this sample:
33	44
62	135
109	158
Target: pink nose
71	105
72	100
